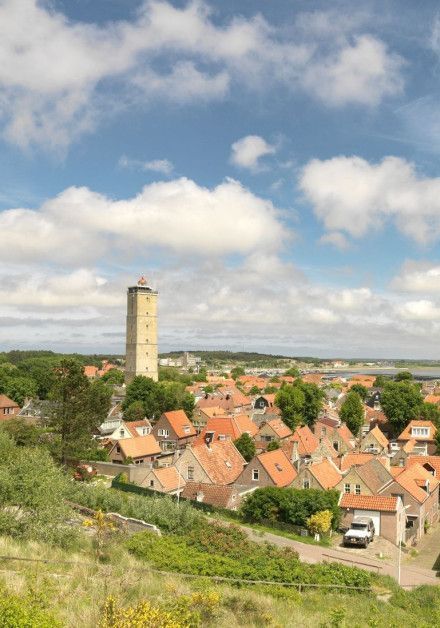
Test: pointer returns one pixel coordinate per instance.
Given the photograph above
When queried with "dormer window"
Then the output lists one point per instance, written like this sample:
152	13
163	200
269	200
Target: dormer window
420	431
186	429
278	467
228	464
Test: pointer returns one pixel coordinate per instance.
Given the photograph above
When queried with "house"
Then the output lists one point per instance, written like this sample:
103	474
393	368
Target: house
423	432
346	461
271	468
130	429
163	479
342	439
34	411
218	496
91	371
406	451
272	430
367	479
375	442
373	418
141	450
227	427
419	490
320	475
201	416
218	462
174	430
302	444
8	408
430	463
264	401
387	513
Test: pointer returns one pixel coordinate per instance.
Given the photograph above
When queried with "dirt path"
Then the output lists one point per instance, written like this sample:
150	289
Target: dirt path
411	575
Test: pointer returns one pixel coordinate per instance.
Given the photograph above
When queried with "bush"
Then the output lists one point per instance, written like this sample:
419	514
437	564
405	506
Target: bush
225	551
289	505
162	511
24	612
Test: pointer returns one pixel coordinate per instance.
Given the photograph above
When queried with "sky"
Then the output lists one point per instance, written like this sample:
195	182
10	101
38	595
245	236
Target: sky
271	166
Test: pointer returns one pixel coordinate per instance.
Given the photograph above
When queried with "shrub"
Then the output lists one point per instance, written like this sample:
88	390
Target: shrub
24	612
320	523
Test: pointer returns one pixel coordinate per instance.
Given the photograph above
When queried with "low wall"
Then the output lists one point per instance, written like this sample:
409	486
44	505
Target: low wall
112	470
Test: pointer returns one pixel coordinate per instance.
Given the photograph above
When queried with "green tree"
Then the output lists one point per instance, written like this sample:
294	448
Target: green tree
23	433
245	446
135	411
430	412
188	403
380	381
291	400
254	390
79	407
269	390
114	377
21	388
437	442
403	376
361	390
237	371
273	445
158	397
401	402
352	412
314	399
293	372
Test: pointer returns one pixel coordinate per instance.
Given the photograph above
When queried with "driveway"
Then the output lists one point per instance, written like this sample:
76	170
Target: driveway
428	550
411	575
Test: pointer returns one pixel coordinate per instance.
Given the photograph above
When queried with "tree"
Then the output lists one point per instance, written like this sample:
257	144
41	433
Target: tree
360	390
237	371
114	377
437	442
269	390
135	411
254	390
430	412
188	404
403	376
293	372
380	381
352	412
401	402
79	407
321	522
273	445
42	371
158	397
290	400
23	433
314	398
21	388
245	446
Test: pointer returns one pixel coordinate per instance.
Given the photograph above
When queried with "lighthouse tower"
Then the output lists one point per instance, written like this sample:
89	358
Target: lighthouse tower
141	347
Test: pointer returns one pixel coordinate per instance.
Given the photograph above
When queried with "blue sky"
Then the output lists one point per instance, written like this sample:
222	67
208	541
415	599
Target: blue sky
273	167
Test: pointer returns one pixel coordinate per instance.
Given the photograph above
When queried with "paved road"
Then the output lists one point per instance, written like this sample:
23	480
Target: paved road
410	575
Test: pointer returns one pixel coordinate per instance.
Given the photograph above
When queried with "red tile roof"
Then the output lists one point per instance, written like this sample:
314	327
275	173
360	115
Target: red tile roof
345	434
432	399
307	441
132	425
5	402
90	371
222	461
379	436
218	496
355	459
169	477
278	467
381	503
325	473
433	461
139	447
180	423
406	434
231	427
279	427
409	478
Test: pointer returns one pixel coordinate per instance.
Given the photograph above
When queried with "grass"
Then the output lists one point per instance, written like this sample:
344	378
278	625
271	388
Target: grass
76	593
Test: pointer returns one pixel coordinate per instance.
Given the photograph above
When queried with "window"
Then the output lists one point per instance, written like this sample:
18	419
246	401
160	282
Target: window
255	475
118	449
186	429
190	473
336	445
138	461
306	483
151	483
347	488
221	437
121	433
278	467
357	489
420	431
228	464
163	433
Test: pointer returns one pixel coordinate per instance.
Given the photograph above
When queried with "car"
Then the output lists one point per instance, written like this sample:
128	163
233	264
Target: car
360	533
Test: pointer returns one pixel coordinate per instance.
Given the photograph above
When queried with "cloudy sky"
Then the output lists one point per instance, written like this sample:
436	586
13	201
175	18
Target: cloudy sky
271	166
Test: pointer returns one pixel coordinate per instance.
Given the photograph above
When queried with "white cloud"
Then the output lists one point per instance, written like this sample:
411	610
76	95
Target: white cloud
59	77
363	73
423	310
82	226
418	277
162	166
351	195
247	152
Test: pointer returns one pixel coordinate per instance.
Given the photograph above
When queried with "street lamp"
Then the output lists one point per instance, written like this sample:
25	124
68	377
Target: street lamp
399	558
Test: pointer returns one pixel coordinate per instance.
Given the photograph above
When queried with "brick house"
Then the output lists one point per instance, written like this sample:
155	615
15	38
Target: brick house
223	428
423	432
419	490
164	479
218	496
174	430
320	475
219	462
142	450
375	442
272	430
387	513
271	468
367	479
8	408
